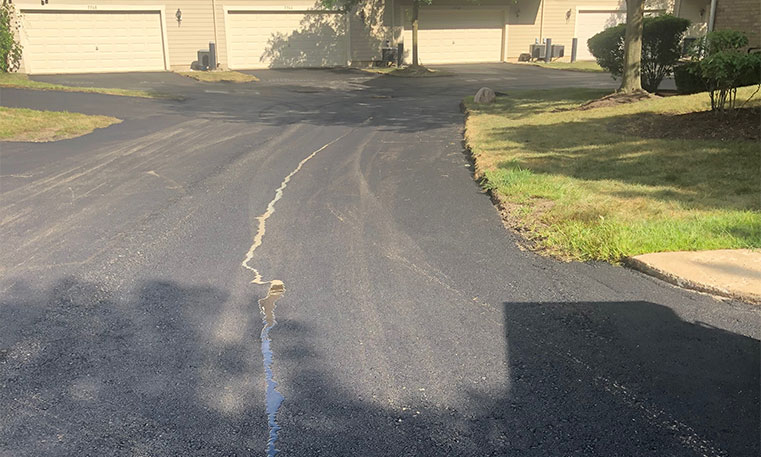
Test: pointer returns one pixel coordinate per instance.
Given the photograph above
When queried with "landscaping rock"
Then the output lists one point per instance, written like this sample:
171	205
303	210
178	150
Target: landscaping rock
484	96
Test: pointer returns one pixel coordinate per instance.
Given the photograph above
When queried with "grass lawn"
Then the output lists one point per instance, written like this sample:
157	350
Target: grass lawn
219	76
21	81
585	66
584	189
21	124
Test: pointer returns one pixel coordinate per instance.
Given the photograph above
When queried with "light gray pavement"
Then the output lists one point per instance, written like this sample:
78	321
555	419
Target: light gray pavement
411	324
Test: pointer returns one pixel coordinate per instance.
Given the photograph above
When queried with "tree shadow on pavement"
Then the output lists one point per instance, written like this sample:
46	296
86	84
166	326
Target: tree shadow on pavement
591	379
87	372
169	371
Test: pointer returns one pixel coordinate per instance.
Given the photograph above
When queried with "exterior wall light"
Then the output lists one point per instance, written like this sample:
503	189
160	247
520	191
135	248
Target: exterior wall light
178	15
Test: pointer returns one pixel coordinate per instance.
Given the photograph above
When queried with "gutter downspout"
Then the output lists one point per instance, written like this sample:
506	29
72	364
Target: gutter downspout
712	16
393	23
214	19
541	24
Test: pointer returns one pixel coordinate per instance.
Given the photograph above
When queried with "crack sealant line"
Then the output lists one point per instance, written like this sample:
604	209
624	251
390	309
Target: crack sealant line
273	398
262	219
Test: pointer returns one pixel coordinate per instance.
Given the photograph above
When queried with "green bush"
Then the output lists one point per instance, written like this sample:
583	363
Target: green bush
10	49
661	48
687	79
722	63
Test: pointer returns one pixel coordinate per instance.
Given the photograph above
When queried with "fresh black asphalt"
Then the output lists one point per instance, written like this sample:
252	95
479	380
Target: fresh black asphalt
412	324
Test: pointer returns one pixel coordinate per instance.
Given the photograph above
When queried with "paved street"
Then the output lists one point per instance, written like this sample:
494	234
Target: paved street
134	260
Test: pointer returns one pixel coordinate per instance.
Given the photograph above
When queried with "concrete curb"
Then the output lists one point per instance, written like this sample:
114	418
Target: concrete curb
671	278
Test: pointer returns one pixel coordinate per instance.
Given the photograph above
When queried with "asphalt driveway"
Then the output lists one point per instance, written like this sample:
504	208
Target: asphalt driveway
411	323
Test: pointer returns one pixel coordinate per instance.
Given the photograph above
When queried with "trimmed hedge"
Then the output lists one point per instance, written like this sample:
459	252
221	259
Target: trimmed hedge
661	48
686	78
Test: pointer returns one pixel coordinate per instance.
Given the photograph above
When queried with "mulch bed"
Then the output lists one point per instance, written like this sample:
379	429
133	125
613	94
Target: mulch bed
616	99
739	125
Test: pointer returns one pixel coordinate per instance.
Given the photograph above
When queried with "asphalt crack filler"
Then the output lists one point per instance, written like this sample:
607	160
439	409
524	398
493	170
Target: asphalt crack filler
267	304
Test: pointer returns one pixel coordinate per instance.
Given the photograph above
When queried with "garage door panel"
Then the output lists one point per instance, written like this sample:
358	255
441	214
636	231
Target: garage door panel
459	36
258	39
591	22
85	41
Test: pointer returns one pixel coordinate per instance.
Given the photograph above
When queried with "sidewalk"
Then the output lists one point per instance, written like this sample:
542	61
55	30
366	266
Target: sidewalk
734	273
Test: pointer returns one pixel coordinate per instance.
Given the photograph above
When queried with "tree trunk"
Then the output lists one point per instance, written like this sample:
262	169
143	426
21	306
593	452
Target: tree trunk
415	14
632	78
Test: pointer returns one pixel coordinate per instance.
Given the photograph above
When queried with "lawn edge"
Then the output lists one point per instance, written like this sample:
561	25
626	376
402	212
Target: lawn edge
663	275
525	242
526	238
550	67
189	74
394	74
98	90
15	139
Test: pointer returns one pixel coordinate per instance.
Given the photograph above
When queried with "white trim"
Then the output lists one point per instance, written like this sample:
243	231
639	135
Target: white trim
457	8
162	13
227	38
98	8
91	8
280	8
503	51
347	24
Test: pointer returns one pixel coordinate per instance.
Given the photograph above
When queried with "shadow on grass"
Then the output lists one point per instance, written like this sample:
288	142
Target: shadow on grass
86	371
527	103
696	173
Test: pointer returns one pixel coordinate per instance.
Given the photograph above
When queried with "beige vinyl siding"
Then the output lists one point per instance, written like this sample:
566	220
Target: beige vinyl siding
523	26
558	23
384	19
691	9
194	32
370	26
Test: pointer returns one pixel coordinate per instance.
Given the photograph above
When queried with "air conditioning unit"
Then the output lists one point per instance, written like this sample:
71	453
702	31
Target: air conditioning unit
558	50
204	59
537	51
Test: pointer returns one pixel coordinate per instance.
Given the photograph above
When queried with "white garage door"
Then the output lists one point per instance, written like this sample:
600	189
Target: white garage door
92	41
591	22
457	36
263	39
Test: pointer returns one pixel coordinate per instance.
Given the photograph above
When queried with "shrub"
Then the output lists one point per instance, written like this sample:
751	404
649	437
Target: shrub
10	49
608	49
688	79
723	65
661	49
